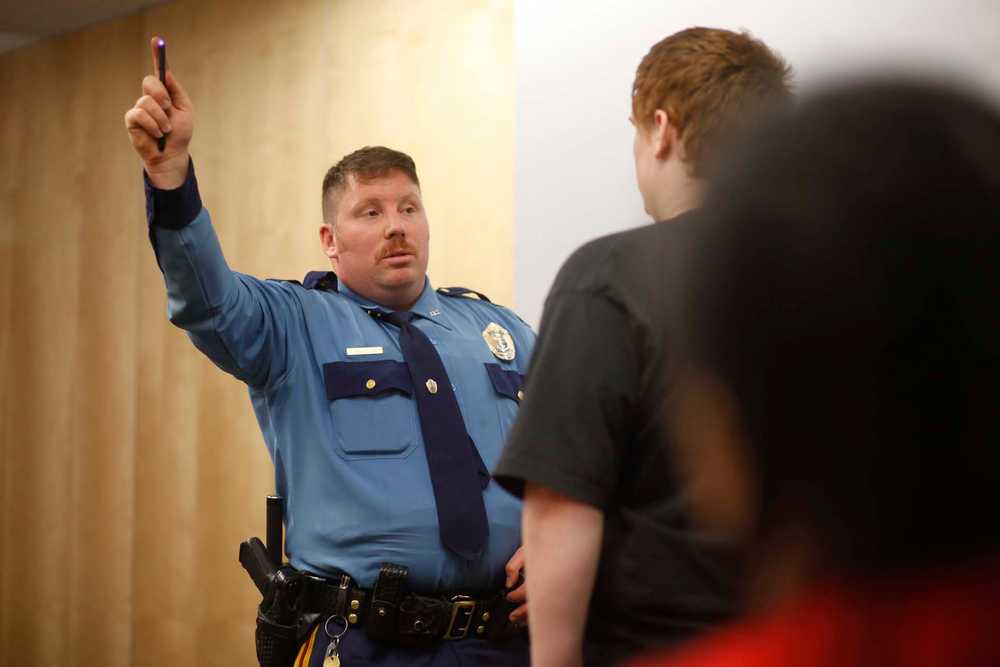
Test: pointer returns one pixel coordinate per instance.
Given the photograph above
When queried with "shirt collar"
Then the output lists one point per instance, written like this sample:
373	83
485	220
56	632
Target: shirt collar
428	306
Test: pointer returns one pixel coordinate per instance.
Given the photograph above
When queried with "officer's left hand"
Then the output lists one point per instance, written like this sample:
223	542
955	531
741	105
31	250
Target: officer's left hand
515	578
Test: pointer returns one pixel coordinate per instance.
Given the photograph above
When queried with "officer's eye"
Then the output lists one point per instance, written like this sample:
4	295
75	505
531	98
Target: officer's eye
370	212
410	209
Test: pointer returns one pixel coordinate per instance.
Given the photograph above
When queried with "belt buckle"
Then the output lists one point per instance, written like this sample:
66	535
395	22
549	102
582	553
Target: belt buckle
462	610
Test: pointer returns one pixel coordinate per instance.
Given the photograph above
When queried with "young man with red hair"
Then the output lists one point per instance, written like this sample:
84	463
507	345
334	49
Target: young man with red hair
614	564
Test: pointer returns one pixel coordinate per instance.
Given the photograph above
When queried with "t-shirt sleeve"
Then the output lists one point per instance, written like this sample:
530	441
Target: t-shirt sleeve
580	391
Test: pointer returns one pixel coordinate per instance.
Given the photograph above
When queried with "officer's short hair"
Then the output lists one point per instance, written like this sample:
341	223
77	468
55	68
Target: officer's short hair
710	82
365	164
845	289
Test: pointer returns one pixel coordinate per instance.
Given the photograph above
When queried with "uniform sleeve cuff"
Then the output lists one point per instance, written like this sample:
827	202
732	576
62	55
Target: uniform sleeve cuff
173	209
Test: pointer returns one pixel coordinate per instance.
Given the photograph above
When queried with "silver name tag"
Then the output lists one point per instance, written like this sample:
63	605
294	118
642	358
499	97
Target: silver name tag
357	351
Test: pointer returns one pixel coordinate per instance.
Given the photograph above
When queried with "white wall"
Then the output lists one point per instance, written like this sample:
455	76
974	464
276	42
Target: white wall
574	64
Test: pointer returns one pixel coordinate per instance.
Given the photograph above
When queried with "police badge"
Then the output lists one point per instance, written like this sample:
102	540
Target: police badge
500	342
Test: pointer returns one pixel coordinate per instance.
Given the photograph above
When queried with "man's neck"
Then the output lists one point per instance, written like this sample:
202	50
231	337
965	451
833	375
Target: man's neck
685	195
389	301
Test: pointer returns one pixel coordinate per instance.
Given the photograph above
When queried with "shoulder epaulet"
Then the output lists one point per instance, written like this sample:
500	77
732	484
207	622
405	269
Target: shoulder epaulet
462	292
321	280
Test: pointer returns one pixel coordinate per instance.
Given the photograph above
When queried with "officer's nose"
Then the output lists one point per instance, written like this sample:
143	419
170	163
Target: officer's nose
394	225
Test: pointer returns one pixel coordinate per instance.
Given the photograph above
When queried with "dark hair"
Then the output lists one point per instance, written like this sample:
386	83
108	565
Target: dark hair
365	164
846	288
711	82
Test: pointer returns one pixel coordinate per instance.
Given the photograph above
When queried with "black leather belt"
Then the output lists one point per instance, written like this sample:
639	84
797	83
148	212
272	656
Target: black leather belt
419	619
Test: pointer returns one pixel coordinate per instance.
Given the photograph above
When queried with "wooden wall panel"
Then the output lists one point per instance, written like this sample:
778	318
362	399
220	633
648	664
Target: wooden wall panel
398	79
42	367
109	243
68	361
12	133
130	467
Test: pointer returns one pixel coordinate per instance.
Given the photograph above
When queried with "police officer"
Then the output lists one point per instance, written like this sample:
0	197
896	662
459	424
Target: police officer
382	402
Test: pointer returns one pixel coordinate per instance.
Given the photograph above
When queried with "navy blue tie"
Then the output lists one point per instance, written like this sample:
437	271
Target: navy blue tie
458	475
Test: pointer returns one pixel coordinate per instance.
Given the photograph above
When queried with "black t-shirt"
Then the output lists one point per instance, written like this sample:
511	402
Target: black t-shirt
591	427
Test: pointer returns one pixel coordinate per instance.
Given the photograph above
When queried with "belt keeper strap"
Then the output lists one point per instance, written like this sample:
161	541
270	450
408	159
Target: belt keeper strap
342	593
389	589
320	597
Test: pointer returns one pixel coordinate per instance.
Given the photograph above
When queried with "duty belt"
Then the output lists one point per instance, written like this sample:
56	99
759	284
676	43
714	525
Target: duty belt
294	601
387	612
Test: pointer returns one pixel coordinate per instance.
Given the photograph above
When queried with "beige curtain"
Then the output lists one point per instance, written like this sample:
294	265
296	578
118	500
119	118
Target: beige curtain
130	467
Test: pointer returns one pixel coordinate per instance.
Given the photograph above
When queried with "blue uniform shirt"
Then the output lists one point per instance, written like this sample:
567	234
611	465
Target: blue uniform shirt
339	422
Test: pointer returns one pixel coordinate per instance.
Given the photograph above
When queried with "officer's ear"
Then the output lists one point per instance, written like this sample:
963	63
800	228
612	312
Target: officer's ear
328	240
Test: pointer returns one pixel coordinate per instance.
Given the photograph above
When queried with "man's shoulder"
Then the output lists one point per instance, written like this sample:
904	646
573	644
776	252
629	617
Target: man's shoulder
481	308
607	260
316	292
632	269
643	240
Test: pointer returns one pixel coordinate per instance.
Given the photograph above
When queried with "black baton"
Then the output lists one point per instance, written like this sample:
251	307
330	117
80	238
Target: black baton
275	529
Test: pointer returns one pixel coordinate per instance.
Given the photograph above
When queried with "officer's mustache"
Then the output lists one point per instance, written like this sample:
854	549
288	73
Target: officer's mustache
397	248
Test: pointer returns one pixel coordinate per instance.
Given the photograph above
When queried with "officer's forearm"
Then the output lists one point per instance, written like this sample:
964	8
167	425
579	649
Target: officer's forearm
562	544
198	280
187	251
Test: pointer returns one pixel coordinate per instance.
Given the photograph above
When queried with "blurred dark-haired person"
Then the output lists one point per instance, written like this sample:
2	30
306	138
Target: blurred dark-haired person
841	309
614	563
382	402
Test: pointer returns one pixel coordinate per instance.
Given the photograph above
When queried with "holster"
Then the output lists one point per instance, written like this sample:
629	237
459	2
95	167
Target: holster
277	645
281	626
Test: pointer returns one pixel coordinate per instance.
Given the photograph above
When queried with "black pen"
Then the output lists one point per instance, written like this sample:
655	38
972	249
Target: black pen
161	53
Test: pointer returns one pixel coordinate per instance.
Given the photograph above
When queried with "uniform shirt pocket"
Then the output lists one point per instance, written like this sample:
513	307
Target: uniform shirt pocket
509	384
372	407
506	383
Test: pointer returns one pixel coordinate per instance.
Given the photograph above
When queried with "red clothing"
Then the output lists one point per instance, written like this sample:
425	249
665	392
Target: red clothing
948	619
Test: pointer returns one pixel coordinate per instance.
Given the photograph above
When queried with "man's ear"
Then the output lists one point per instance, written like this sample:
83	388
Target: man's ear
328	240
665	137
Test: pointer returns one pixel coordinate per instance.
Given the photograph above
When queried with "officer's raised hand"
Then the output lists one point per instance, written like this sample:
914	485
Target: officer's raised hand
162	111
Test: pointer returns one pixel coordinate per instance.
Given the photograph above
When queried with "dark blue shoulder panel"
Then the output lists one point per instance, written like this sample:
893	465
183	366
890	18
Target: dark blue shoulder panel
463	292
